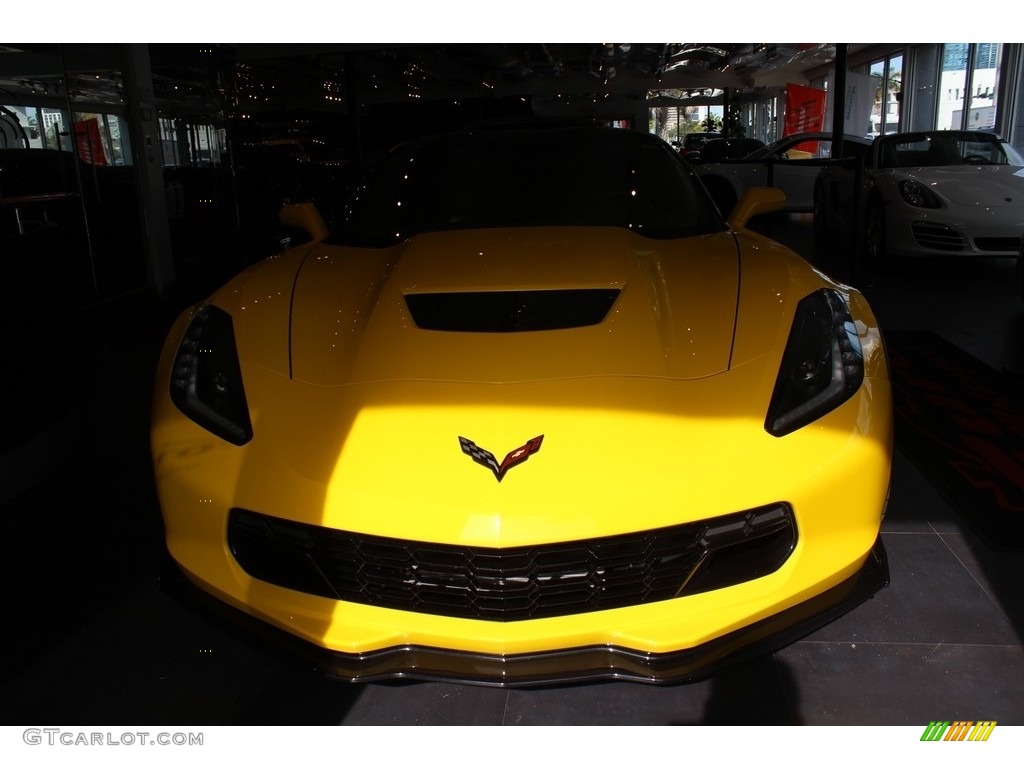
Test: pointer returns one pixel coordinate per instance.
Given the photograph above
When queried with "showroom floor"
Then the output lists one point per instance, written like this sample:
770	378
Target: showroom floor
93	639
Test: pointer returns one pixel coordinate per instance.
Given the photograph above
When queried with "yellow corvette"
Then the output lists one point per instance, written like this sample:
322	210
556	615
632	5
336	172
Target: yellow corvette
532	412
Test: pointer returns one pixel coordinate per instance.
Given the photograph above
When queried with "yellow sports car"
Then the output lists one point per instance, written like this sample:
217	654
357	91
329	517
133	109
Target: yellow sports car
532	412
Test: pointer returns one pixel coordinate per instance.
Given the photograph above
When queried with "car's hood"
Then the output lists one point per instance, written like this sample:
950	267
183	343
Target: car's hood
673	315
974	185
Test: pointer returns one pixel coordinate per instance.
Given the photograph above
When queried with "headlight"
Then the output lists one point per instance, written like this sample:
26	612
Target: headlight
206	381
918	195
822	366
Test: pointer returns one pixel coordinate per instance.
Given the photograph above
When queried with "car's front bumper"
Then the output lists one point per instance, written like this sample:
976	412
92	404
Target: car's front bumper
926	232
593	662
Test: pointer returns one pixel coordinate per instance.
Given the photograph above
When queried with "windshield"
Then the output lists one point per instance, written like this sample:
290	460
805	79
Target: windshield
940	148
578	176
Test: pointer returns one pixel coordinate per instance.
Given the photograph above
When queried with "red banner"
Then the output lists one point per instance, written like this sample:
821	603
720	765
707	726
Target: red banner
90	146
805	112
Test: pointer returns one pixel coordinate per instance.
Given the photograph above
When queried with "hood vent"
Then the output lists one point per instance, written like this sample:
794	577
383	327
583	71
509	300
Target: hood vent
510	311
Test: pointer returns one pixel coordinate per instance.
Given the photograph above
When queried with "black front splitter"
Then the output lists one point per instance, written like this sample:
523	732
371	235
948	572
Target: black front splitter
596	662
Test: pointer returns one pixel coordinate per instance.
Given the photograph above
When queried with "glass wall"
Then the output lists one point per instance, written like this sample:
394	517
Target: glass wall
765	115
975	86
1012	105
70	188
968	86
887	74
185	143
102	136
920	87
70	211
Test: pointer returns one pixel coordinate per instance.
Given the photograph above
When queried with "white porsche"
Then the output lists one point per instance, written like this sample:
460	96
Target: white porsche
952	193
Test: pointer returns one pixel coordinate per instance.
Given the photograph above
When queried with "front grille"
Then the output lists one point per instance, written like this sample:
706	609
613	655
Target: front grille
995	244
514	583
937	237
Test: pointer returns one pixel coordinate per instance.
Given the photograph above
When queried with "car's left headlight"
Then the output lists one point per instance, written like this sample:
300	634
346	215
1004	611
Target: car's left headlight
206	381
822	366
918	195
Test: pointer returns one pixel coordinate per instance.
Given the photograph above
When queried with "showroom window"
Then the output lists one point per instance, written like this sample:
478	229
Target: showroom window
969	85
102	138
190	144
766	118
36	127
887	74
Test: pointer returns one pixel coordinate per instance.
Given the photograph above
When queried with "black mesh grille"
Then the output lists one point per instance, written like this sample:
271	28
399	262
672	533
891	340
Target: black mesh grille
938	237
517	582
509	311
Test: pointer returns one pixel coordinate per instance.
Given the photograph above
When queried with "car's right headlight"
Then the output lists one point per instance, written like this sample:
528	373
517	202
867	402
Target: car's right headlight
822	365
206	380
918	195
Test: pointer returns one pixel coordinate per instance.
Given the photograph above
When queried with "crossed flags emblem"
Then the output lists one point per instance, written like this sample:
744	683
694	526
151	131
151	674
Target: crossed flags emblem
487	459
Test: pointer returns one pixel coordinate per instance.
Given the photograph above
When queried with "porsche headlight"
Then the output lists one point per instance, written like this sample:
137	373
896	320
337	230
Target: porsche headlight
822	366
918	195
206	381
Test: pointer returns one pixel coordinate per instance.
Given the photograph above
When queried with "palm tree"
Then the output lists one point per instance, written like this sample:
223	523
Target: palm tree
711	123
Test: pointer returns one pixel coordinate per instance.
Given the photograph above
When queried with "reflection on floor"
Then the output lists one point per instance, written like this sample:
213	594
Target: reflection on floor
92	639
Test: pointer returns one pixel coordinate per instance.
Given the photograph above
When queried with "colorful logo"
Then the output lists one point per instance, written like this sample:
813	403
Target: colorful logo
959	730
487	459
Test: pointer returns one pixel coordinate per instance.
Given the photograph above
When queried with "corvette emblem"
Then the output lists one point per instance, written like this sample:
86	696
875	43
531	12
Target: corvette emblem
486	458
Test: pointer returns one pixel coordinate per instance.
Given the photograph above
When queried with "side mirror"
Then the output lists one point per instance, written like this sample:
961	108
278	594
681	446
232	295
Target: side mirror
306	217
755	201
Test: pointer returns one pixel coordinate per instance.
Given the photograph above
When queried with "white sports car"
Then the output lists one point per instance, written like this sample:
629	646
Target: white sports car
791	164
958	193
